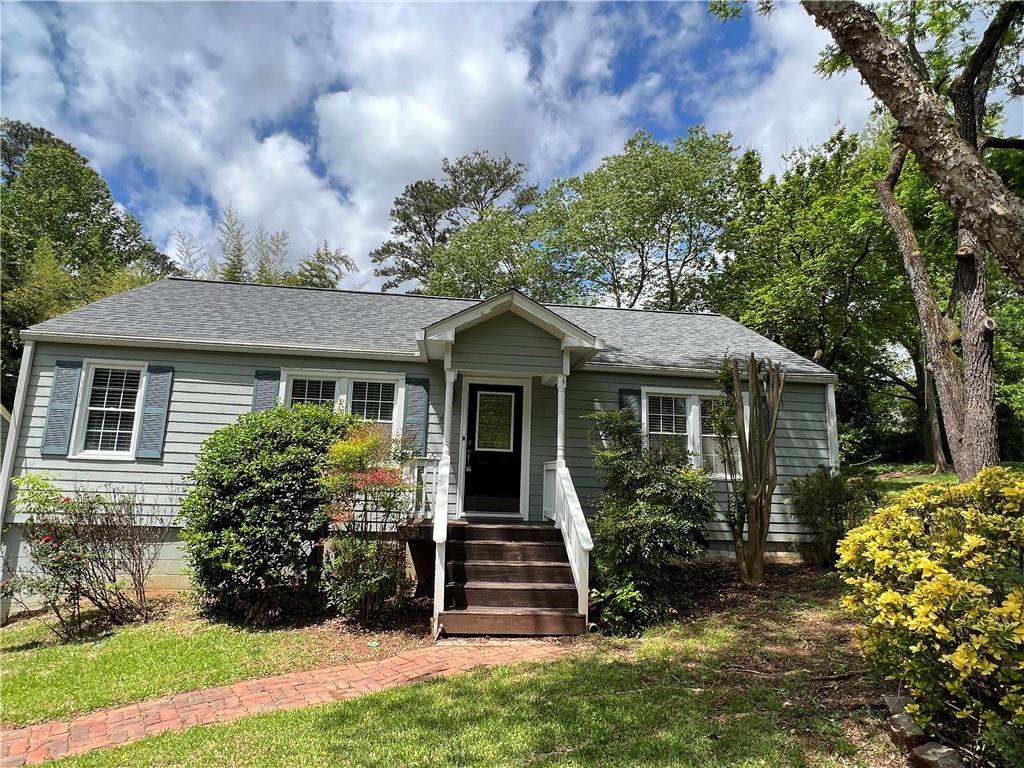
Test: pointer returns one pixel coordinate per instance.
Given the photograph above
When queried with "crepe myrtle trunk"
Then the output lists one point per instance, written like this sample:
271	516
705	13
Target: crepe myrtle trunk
983	204
748	447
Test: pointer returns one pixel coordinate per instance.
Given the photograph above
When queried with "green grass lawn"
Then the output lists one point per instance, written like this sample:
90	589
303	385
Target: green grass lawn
41	679
900	477
763	677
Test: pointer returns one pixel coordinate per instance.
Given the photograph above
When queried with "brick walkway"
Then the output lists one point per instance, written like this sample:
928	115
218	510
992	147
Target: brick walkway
108	727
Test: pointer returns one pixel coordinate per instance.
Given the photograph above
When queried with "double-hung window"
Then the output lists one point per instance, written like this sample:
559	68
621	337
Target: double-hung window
109	411
666	422
316	391
375	397
681	420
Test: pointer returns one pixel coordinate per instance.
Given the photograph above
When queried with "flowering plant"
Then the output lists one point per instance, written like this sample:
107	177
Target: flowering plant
937	577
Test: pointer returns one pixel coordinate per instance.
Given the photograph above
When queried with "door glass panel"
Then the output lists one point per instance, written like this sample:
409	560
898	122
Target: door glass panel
494	421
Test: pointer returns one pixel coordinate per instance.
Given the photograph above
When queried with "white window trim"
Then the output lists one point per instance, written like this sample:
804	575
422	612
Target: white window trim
693	397
343	381
512	423
78	429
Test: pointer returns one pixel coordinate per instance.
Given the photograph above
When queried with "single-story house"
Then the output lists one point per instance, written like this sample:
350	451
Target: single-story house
123	392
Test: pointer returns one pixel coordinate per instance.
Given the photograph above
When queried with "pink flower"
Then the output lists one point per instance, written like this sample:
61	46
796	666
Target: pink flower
66	499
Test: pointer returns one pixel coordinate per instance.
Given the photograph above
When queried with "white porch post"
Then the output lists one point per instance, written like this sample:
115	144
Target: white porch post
445	461
560	439
440	510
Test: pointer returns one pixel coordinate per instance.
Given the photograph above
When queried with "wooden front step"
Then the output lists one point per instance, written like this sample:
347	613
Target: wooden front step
528	622
461	571
504	532
495	549
517	594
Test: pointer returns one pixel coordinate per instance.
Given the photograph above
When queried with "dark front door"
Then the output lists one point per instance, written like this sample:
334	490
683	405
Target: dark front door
494	449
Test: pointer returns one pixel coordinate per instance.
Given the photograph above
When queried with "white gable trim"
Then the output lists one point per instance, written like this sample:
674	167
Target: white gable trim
431	340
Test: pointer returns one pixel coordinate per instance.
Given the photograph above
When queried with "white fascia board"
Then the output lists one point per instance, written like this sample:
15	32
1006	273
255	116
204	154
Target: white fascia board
709	373
204	345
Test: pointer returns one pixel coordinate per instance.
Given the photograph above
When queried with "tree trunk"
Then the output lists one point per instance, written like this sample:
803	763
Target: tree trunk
980	441
983	204
936	333
933	427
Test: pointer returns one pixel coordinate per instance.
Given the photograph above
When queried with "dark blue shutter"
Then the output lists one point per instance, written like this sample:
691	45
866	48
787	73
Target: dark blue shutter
60	414
417	410
154	412
630	399
265	388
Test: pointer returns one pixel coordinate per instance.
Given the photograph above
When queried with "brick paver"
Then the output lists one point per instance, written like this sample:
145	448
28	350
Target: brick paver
109	727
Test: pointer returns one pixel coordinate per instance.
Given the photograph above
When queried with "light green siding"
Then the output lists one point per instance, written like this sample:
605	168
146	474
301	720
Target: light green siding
507	344
802	444
211	390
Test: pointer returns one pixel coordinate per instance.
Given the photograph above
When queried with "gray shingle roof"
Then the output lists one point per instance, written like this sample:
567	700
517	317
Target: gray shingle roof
181	310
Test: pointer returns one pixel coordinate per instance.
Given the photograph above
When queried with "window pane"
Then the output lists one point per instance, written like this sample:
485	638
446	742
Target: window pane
110	418
494	414
313	391
373	400
666	415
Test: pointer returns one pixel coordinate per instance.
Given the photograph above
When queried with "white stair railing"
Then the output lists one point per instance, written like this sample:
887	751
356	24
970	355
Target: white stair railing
562	505
442	478
423	477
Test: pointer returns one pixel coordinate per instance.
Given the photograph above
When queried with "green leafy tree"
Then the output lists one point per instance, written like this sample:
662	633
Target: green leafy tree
65	239
269	253
497	253
641	228
326	267
234	241
429	212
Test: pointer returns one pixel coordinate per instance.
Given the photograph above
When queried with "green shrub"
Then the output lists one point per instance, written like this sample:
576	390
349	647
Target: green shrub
829	504
258	511
87	550
365	560
937	577
652	513
362	574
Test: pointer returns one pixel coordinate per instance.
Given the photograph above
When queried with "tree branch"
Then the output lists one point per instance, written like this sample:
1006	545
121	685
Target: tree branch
1001	142
981	200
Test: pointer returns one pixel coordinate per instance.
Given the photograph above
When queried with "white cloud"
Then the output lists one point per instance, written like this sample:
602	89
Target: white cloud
769	96
312	117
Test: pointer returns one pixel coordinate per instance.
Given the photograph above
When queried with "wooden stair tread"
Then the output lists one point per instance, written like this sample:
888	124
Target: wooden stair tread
540	586
513	563
496	609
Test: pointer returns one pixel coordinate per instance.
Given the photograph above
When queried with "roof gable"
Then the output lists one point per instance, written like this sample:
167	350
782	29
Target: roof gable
435	338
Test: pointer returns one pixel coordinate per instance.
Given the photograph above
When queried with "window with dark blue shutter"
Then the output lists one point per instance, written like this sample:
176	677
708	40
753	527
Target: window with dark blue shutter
155	403
417	409
60	413
629	399
266	388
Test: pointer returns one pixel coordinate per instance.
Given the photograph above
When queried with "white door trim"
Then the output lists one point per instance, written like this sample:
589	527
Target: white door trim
526	382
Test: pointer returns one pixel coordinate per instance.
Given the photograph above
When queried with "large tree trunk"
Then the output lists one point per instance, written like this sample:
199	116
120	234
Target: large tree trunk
983	204
937	333
933	426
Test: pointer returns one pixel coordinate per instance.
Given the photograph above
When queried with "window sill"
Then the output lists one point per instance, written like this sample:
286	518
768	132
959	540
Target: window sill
102	456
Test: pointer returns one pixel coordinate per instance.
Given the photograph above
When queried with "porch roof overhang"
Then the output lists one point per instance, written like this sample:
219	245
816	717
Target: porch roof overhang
436	339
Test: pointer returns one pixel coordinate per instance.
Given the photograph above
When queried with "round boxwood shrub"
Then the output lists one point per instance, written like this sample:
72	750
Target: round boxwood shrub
937	577
258	510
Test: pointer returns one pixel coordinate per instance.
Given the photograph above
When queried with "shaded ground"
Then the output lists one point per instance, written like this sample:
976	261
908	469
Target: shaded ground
42	679
764	677
900	477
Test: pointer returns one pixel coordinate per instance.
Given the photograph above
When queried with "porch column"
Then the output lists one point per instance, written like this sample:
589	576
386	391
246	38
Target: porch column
441	504
560	439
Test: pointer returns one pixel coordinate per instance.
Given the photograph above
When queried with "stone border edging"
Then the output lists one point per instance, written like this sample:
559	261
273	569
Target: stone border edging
907	734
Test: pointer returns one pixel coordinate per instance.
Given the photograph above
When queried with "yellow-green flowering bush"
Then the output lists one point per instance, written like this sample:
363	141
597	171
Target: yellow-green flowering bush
937	575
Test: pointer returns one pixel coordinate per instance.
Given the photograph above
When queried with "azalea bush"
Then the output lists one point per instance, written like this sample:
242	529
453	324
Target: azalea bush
258	513
365	560
652	513
937	575
87	550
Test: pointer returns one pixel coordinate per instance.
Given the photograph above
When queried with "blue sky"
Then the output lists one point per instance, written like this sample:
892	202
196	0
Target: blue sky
311	117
